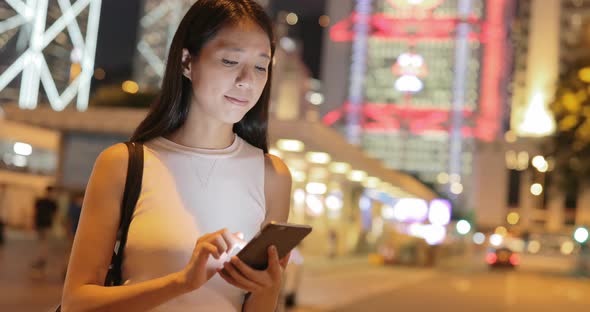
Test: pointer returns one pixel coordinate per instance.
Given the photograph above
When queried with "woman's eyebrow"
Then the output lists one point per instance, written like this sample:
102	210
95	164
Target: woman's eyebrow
234	49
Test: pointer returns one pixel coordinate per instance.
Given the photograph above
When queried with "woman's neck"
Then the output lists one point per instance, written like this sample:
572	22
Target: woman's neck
201	134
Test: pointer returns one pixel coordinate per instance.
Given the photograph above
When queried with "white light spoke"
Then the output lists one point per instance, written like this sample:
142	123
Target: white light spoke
11	23
61	23
50	88
151	58
31	64
68	95
8	75
20	7
73	28
155	15
158	25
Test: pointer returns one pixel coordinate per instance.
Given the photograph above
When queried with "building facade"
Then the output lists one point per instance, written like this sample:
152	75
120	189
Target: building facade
549	38
426	83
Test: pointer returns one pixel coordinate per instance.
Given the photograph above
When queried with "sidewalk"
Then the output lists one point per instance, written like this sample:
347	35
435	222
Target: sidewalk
330	284
19	289
326	284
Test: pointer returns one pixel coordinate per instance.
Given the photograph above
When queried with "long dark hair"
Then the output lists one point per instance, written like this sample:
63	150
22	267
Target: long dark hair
200	24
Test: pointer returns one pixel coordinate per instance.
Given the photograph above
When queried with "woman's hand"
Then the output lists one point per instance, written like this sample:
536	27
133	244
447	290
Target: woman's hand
268	281
197	273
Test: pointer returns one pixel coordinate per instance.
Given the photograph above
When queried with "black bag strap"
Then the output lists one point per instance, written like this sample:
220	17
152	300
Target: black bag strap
130	196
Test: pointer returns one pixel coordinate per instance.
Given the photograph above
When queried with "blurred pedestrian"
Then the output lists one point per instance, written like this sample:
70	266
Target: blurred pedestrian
332	243
45	209
74	211
207	175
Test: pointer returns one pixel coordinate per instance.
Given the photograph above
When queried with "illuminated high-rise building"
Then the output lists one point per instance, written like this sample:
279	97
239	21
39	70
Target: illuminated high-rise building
427	80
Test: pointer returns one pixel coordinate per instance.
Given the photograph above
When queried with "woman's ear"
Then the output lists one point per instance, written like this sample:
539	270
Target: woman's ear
186	64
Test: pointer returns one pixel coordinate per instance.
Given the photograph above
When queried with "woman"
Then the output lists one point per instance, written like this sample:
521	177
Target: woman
207	174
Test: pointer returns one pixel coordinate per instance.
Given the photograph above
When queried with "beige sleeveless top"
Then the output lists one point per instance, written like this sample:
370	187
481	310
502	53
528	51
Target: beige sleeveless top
187	192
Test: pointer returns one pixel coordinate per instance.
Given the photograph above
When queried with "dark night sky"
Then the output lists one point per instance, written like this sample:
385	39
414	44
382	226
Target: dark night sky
307	29
117	35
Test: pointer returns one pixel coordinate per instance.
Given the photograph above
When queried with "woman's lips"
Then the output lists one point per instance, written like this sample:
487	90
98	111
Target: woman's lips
237	101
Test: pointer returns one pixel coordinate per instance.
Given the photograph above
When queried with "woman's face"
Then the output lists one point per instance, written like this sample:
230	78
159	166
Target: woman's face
229	74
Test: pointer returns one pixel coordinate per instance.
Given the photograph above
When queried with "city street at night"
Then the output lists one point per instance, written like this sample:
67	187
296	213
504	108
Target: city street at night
351	284
410	155
478	291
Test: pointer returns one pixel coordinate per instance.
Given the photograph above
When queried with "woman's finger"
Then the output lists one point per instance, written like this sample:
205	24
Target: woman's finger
237	276
274	267
239	235
220	242
230	280
247	271
285	260
231	240
209	249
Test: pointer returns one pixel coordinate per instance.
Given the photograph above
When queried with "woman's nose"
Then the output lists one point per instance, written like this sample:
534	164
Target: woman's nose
244	80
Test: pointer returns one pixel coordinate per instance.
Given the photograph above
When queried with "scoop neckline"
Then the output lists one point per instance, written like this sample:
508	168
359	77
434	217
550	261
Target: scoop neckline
202	152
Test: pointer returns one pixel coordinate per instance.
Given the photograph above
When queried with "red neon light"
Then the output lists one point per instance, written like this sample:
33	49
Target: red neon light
379	118
332	117
387	27
391	118
492	70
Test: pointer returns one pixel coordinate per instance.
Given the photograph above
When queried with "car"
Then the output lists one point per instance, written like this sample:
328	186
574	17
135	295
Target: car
502	257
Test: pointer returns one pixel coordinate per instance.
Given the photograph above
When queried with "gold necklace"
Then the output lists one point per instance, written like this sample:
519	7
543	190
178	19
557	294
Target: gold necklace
205	182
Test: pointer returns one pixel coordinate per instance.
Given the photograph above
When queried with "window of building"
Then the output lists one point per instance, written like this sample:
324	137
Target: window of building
546	189
513	188
571	195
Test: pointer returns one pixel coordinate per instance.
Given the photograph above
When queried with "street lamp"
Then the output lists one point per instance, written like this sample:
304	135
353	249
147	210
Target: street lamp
581	235
463	227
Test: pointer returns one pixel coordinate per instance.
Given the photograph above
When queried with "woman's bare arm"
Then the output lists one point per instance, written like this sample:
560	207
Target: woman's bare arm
277	189
93	247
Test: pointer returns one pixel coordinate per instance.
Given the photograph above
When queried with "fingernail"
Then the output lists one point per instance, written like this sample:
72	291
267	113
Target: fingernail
273	249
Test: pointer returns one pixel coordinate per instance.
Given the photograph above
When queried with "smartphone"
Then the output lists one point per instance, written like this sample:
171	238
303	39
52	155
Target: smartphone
284	236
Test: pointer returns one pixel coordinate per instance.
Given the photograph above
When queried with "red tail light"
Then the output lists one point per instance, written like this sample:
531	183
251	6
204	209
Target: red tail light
491	258
514	259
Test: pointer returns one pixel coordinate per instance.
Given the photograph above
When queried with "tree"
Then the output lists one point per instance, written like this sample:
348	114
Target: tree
570	145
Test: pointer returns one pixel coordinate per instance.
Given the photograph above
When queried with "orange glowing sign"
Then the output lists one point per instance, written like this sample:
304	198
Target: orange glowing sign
415	4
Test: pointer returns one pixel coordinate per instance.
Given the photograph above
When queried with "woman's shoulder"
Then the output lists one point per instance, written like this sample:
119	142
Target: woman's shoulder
277	188
276	170
113	160
114	155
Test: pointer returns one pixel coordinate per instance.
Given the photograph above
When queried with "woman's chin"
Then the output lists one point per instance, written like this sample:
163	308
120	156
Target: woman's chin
233	118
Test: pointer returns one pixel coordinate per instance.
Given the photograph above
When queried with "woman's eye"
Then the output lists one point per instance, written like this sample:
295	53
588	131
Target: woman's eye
260	68
228	62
